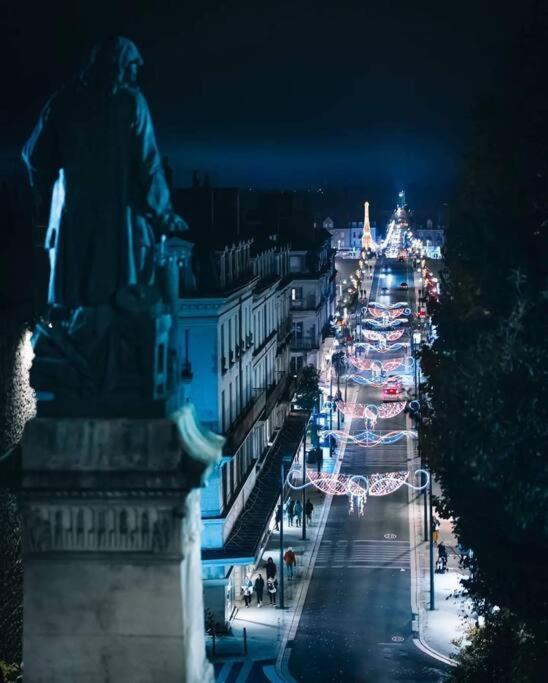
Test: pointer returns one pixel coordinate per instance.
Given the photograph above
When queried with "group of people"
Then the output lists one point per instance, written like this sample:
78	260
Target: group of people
294	511
258	586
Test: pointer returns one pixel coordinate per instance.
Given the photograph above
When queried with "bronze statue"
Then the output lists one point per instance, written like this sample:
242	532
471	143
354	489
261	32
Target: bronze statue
99	185
95	168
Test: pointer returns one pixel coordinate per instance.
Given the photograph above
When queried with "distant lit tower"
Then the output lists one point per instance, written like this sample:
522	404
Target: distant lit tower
401	198
367	239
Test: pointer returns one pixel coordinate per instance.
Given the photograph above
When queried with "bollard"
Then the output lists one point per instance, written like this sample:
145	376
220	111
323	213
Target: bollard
245	641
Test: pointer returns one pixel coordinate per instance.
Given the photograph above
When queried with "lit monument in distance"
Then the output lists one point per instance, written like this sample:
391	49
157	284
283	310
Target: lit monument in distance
367	239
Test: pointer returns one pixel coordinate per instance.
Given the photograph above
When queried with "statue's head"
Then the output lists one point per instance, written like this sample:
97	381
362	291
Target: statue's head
112	64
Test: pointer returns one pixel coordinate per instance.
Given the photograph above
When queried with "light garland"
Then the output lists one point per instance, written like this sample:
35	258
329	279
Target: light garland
387	307
371	411
382	346
378	366
379	325
390	314
368	438
374	335
357	487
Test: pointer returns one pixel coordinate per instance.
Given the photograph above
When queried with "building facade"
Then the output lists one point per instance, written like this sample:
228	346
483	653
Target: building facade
236	339
312	299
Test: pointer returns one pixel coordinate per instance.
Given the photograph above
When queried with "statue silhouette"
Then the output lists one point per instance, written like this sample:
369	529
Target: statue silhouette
95	169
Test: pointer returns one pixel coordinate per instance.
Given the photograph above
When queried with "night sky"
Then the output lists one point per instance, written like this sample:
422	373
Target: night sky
280	94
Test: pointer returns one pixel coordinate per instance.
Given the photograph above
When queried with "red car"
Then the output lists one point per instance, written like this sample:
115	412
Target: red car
393	388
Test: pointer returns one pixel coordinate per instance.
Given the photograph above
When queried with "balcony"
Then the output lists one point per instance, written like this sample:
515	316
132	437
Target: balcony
304	343
245	421
275	392
308	304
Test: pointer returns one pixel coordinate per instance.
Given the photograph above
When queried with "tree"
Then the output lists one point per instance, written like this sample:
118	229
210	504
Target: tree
487	439
308	390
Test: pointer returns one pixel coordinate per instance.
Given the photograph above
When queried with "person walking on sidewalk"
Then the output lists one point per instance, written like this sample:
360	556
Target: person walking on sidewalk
278	517
442	556
308	509
298	512
270	569
272	588
259	589
290	561
247	590
290	511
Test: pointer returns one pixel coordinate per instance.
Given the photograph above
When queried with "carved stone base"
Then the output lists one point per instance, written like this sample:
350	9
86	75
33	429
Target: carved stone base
112	568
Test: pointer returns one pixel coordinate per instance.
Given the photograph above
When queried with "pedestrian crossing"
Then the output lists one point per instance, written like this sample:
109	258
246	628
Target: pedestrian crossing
363	554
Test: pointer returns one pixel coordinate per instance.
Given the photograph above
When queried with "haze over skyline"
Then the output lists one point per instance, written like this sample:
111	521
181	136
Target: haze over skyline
277	95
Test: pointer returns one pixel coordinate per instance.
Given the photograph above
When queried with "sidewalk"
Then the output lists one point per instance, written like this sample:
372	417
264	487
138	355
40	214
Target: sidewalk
268	628
436	630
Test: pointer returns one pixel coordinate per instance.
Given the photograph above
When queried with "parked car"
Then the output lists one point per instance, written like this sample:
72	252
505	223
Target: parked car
404	285
384	290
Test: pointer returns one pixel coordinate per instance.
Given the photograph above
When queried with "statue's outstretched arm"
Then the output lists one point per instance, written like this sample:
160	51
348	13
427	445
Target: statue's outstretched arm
41	156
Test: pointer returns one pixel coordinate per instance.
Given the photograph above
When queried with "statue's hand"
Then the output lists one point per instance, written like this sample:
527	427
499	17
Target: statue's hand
176	224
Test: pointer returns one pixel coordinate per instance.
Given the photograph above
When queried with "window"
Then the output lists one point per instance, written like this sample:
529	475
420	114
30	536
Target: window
296	293
223	413
294	264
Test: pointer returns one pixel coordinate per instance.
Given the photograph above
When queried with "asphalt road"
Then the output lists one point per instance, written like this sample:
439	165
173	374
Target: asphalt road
356	622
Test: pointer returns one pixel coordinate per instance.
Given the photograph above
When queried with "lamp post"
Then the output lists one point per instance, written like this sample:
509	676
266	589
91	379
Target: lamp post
282	482
416	337
304	488
331	410
432	597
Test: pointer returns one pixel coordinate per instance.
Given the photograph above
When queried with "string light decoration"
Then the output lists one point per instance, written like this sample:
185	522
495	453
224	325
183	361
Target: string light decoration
407	363
369	438
357	486
387	307
371	411
366	381
390	314
382	347
374	335
380	325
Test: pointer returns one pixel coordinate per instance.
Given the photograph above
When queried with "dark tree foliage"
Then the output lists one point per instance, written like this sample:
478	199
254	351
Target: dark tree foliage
487	372
308	390
502	650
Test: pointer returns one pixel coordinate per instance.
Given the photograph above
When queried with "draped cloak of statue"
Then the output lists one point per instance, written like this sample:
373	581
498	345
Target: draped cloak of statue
93	153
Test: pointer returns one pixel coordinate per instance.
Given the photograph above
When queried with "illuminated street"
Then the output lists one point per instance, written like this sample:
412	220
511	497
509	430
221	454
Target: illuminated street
357	621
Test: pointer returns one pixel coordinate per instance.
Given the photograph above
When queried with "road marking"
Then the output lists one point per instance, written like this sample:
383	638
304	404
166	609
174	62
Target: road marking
391	536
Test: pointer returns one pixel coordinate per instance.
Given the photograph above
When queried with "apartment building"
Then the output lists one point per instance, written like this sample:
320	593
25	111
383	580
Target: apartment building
312	296
234	325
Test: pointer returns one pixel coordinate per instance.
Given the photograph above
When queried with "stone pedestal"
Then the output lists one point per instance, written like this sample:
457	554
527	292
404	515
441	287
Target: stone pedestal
112	569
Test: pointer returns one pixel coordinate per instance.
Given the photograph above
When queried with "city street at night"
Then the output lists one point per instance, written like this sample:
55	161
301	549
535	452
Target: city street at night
357	620
273	322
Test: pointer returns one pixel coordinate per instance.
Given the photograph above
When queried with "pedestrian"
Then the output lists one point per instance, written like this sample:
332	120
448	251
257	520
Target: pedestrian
247	589
435	529
298	512
259	589
308	509
290	561
272	588
442	555
278	517
270	569
290	511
